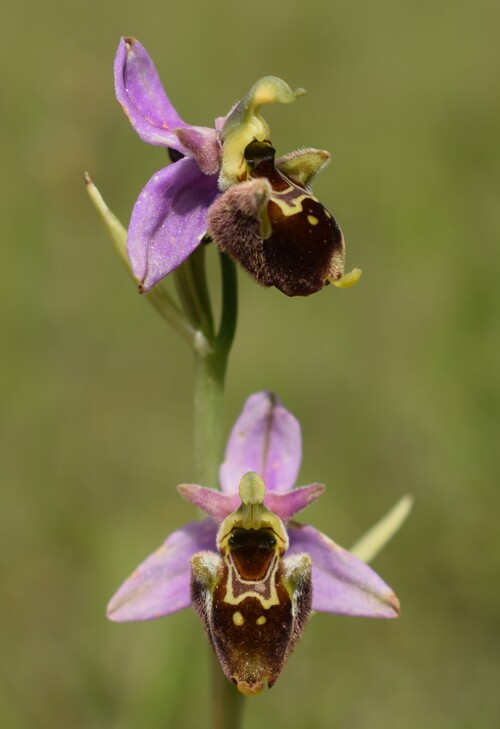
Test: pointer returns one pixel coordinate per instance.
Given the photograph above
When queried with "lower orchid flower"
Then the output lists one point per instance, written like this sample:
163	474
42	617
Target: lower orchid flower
253	574
225	185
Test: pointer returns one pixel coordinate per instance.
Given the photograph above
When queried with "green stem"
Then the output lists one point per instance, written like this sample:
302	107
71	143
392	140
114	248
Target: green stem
227	702
209	374
229	316
210	371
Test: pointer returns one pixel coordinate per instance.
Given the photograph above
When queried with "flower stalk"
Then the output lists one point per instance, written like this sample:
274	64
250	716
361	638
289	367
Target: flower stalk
209	371
209	374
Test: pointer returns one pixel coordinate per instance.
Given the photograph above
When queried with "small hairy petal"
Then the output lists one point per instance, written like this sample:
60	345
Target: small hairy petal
169	220
287	505
303	165
214	503
161	584
204	145
265	439
218	505
140	92
342	583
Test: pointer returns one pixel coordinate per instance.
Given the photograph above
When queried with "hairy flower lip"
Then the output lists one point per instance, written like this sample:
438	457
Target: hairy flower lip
266	438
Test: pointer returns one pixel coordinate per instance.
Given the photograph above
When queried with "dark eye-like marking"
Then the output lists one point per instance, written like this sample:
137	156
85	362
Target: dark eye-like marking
252	539
257	152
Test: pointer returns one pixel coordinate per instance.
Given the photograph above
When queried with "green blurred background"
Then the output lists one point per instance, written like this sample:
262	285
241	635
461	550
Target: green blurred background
395	381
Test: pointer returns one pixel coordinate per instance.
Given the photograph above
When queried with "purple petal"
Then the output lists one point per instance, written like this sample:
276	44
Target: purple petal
286	505
341	582
161	584
203	143
265	439
140	92
169	220
214	503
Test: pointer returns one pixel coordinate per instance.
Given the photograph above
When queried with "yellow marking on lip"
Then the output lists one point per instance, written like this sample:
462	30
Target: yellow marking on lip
312	220
261	620
254	587
238	619
290	208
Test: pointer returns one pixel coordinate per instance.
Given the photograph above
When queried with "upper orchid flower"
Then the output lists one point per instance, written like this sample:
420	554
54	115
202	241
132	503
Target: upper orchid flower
227	186
251	573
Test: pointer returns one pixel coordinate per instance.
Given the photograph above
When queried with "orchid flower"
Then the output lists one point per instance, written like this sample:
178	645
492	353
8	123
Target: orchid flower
225	185
252	573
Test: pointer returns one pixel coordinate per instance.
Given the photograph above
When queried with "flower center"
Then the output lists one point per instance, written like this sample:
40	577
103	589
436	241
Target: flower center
244	124
252	515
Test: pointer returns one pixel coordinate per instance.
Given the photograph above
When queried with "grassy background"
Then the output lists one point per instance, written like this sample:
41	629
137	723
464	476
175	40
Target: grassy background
395	381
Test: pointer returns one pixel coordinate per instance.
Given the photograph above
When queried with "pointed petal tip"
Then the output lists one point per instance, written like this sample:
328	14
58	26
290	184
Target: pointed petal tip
342	583
142	97
395	605
302	165
160	585
111	613
125	612
316	488
288	504
188	491
214	503
125	609
116	610
269	90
